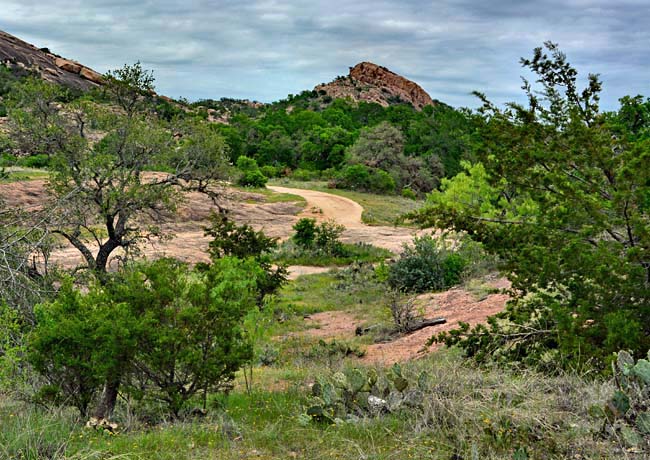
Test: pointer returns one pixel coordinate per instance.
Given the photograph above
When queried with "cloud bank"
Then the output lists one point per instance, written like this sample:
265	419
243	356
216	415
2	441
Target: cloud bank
266	49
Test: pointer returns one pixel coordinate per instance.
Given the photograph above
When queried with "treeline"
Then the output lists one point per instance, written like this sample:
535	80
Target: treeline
362	146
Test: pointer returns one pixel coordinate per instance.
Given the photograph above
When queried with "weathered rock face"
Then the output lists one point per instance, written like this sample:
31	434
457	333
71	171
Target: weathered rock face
19	54
372	83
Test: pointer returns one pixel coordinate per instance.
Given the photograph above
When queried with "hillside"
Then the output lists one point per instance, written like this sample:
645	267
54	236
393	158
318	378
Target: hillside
18	54
373	83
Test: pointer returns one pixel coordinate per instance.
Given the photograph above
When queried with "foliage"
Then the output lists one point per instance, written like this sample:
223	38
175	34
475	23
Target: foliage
99	154
305	234
242	241
76	342
163	331
361	177
251	174
354	393
431	263
559	192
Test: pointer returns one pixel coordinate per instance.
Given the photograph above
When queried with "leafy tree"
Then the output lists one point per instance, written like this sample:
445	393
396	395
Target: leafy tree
243	242
162	330
99	157
563	200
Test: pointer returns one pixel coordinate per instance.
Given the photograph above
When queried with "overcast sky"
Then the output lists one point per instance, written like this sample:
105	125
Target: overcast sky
265	49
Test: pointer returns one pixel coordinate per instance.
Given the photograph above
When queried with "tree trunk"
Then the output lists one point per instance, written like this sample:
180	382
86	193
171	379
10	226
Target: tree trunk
109	398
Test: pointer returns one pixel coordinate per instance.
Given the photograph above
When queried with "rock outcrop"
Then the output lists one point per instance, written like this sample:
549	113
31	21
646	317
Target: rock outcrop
16	53
372	83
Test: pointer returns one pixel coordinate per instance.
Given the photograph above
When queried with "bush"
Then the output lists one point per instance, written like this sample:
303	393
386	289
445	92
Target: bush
252	179
163	331
35	161
305	234
305	175
270	171
360	177
408	193
429	264
251	174
327	238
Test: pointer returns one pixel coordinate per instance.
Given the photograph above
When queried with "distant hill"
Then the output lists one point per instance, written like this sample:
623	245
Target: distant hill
20	55
373	83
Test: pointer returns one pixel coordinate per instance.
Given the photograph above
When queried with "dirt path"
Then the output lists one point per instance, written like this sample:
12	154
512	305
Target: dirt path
326	206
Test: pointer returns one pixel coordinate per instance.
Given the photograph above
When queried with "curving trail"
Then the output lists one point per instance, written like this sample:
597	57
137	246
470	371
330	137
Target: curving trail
326	206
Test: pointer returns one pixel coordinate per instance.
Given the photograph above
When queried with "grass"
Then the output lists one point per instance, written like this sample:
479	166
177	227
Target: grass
377	209
289	254
15	174
467	412
269	196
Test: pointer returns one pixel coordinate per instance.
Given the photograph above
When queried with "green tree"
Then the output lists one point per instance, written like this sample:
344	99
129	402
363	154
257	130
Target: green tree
162	330
564	202
99	157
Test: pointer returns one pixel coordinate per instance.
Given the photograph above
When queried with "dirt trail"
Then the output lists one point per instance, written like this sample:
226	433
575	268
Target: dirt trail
326	206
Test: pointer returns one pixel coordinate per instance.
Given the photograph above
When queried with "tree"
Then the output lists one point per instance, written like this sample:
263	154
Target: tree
563	200
382	147
243	242
164	331
100	155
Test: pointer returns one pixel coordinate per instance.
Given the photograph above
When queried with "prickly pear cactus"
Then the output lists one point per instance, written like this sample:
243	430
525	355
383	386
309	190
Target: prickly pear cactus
348	396
627	413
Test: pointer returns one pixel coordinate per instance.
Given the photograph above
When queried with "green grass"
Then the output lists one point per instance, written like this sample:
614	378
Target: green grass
377	209
15	174
467	412
289	254
269	196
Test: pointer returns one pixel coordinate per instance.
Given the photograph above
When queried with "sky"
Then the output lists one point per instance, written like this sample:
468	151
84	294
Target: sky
265	49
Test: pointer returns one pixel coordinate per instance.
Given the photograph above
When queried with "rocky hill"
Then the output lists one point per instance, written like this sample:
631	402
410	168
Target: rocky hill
372	83
18	54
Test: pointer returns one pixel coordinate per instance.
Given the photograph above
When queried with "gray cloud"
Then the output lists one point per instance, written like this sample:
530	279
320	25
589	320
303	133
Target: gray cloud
266	49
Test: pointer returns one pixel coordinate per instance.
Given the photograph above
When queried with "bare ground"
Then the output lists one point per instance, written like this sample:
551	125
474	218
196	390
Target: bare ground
455	305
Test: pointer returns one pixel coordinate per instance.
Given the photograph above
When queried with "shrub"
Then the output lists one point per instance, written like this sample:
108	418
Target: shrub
270	171
381	182
252	179
409	193
327	238
429	264
35	161
251	174
361	177
304	175
163	331
242	241
305	234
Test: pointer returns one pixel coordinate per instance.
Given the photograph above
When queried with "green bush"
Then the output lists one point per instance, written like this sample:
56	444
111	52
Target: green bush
251	174
409	193
361	177
305	234
34	161
270	171
162	331
252	179
429	264
305	175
